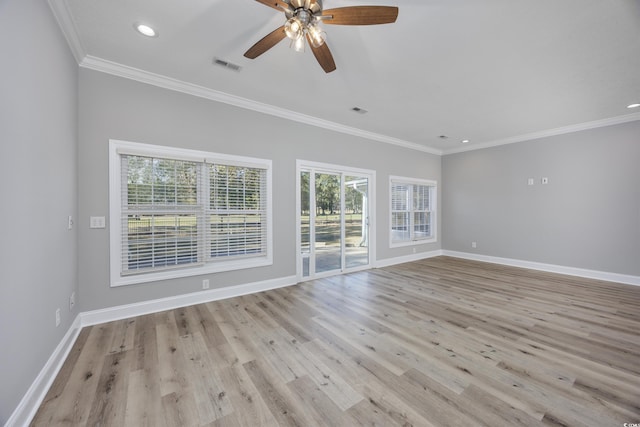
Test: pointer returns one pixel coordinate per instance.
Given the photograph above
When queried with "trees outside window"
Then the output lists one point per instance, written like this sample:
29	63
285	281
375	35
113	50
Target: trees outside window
179	212
412	211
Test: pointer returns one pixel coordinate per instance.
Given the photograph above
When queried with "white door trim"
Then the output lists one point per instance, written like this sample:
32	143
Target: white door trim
347	170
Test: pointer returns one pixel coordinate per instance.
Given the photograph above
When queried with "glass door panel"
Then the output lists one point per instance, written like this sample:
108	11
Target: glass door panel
328	223
356	191
305	213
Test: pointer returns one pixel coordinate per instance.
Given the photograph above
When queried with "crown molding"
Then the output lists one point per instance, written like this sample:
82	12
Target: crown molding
61	12
116	69
547	133
120	70
63	15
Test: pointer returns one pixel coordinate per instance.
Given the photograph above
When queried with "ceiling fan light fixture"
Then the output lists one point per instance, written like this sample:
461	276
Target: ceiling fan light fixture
298	44
317	36
293	28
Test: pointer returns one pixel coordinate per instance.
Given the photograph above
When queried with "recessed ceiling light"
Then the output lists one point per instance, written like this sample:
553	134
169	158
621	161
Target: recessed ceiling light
145	30
464	141
633	106
359	110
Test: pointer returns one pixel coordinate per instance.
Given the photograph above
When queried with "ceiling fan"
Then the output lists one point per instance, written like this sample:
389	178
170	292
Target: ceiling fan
303	24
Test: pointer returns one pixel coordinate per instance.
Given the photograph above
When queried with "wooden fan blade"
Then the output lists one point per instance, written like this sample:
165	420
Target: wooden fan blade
323	55
360	15
266	43
276	4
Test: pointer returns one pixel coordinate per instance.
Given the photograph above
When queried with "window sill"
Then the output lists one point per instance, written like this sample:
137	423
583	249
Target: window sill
190	271
412	243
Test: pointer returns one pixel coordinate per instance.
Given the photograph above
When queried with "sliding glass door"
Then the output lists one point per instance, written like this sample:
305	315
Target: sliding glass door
334	220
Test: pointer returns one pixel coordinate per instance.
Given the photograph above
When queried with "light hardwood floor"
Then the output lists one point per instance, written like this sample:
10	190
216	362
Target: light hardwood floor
437	342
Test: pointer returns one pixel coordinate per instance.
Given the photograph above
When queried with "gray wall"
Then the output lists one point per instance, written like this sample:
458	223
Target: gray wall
38	144
116	108
587	216
55	124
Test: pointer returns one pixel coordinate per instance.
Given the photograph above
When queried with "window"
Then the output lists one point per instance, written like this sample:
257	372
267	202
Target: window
412	211
177	212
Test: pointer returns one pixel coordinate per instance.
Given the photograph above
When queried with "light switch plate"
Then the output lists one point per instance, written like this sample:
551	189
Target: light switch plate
97	222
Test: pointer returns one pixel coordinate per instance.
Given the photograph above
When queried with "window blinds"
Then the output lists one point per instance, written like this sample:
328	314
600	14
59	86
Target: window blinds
236	211
181	213
411	215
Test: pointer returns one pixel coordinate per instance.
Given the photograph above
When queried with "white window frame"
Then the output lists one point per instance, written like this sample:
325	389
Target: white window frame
433	195
118	148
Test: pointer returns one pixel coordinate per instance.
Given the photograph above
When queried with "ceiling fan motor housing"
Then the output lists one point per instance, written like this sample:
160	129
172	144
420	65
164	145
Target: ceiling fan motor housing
305	13
313	6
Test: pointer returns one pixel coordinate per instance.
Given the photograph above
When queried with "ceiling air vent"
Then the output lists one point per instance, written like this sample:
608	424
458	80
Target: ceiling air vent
226	64
359	110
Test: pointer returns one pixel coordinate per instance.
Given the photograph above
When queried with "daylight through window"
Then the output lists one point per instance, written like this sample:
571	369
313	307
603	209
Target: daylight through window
412	211
201	214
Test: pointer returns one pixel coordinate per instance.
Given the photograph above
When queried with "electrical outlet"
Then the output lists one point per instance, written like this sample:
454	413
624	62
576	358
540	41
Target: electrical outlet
414	250
545	180
474	245
205	284
57	317
70	223
72	301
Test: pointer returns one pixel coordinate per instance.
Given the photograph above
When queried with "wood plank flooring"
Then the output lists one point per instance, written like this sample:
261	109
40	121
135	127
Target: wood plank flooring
436	342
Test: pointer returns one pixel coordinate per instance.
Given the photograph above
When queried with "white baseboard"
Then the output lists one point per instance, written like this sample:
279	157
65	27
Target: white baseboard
407	258
33	398
110	314
552	268
30	402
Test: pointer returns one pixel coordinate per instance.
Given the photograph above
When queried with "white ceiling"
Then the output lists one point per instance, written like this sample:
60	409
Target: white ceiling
491	71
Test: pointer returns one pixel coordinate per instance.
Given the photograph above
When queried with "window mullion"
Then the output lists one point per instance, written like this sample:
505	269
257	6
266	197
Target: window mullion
204	203
411	210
